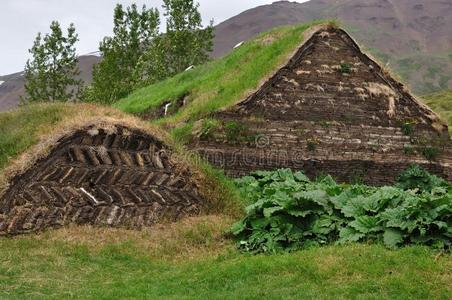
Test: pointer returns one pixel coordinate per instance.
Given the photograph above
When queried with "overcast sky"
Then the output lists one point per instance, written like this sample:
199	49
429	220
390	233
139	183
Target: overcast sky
21	20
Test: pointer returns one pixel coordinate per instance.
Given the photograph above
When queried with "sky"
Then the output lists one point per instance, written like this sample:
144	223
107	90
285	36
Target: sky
21	20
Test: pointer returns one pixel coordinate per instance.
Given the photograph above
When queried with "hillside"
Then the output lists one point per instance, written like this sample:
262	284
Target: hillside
441	103
217	84
12	86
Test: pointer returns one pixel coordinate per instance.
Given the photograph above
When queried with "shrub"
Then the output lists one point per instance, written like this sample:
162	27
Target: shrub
345	68
234	130
290	212
312	144
407	128
416	177
208	127
430	153
408	150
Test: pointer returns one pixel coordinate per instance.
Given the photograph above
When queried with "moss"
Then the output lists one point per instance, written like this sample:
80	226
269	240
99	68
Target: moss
407	128
312	144
408	150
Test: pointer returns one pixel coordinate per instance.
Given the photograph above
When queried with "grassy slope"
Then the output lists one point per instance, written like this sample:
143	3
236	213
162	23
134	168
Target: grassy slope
441	103
192	260
222	82
21	128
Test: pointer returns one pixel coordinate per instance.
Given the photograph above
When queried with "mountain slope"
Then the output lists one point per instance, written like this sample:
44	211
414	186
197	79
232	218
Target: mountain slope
441	103
12	87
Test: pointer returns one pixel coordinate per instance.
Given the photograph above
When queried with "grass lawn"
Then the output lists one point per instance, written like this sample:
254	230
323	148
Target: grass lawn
193	260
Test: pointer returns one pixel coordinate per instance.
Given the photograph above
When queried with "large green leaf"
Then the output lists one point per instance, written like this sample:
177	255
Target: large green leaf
366	224
349	234
269	211
291	211
238	227
392	237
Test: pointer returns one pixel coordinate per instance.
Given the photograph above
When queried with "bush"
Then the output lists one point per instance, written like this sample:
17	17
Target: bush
431	153
234	131
291	212
345	68
416	178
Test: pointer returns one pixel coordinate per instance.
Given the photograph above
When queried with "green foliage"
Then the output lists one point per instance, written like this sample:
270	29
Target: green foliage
407	128
208	127
408	150
133	33
235	131
418	178
312	144
186	43
431	152
290	212
345	68
51	73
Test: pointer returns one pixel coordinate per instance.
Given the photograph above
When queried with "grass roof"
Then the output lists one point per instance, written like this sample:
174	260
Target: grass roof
220	83
226	81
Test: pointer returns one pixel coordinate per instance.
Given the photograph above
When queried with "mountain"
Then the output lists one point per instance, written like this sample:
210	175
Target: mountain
412	36
12	86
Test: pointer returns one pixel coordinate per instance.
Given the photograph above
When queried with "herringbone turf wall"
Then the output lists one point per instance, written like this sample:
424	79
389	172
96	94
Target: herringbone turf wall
109	177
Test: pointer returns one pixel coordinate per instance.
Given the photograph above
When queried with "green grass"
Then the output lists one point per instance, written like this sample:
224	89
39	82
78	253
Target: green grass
92	263
222	82
21	128
442	104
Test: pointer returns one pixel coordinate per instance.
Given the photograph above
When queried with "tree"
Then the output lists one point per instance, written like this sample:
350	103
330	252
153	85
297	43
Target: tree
184	44
133	32
51	73
190	43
